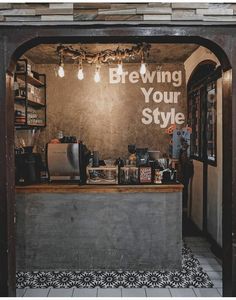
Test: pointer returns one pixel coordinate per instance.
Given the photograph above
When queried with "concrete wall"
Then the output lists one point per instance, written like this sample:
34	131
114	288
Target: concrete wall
106	116
214	209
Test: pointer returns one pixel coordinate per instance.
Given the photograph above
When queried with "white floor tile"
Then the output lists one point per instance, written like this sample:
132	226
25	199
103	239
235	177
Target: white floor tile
83	292
60	292
217	283
36	292
181	292
213	292
204	255
158	292
194	238
20	292
203	244
208	261
131	292
215	275
109	292
214	268
220	290
199	250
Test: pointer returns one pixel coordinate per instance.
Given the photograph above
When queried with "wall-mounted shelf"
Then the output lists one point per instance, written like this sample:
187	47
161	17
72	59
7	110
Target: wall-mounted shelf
30	97
30	79
30	102
25	127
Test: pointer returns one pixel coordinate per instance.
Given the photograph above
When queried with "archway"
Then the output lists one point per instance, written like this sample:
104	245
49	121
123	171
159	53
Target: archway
105	34
204	93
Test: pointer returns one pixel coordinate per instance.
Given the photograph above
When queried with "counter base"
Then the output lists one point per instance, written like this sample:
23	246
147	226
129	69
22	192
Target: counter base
111	231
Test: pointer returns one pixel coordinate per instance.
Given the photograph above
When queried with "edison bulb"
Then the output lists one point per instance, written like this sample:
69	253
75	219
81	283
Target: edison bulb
143	68
61	72
97	76
80	74
119	69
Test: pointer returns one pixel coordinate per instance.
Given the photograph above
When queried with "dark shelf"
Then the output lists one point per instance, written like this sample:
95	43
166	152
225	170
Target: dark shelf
20	124
20	98
30	102
24	126
36	104
32	80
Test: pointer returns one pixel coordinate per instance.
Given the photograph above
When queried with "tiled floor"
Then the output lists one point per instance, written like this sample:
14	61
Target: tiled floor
201	250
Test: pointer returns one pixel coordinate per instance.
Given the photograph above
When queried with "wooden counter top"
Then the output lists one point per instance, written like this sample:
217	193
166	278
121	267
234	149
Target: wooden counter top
73	188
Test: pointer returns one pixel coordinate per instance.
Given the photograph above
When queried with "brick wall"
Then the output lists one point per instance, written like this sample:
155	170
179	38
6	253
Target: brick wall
206	13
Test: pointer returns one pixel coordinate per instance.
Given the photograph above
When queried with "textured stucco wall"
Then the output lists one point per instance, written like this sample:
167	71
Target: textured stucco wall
107	117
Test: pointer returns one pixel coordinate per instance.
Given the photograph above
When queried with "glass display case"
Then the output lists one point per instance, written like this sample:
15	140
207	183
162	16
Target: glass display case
102	175
129	175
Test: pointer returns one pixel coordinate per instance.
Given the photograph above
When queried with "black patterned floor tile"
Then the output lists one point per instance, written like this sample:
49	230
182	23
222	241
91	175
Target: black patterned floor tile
191	275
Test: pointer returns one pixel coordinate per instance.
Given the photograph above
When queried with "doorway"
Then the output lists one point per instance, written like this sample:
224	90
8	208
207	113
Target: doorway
226	92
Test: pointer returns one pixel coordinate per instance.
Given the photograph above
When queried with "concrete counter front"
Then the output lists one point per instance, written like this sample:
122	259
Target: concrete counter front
70	227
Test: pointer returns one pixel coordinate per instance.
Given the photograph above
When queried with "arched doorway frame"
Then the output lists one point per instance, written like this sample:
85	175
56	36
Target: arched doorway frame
14	41
203	71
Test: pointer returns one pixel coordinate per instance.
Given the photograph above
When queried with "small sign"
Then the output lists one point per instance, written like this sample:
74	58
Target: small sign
145	175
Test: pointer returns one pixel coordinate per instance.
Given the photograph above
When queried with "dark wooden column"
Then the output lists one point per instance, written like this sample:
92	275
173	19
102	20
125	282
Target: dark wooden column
227	183
233	167
7	190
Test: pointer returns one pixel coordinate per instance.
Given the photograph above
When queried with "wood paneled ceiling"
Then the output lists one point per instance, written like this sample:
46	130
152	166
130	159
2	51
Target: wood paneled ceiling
159	53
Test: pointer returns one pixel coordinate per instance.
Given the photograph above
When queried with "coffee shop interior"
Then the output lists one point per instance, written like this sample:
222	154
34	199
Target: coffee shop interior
118	163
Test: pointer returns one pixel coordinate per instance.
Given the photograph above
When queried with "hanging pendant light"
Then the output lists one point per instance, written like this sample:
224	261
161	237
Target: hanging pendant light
143	68
97	77
80	74
104	56
61	72
119	68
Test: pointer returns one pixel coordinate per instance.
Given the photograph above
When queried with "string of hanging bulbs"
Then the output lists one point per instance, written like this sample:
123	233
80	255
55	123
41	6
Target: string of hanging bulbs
80	56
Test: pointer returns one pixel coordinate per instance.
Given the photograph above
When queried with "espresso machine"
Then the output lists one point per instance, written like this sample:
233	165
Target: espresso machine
67	162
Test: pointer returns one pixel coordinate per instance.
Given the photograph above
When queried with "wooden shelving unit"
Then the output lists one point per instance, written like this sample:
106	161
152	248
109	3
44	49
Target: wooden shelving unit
31	79
30	97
